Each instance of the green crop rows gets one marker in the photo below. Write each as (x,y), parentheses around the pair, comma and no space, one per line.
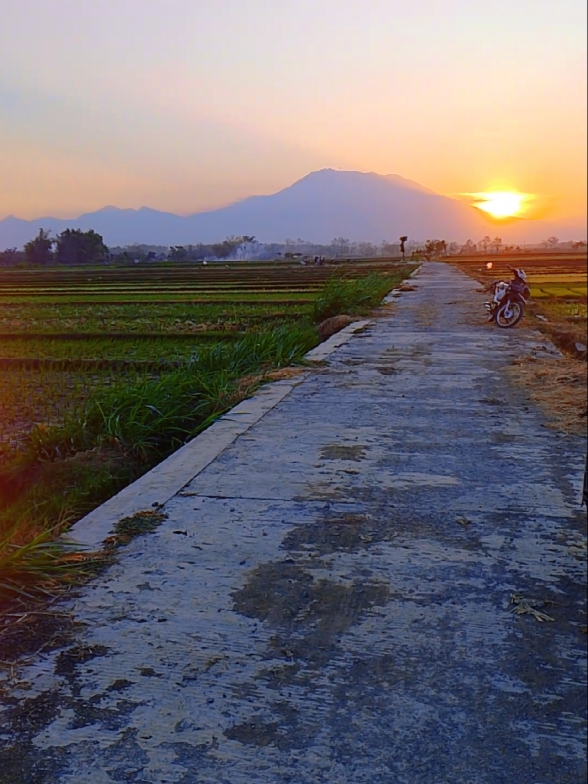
(105,372)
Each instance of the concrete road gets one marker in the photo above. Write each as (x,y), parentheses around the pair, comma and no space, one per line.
(332,599)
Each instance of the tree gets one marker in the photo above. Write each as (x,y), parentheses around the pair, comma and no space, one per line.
(177,253)
(39,250)
(340,246)
(485,243)
(497,244)
(365,249)
(402,241)
(11,257)
(551,242)
(388,249)
(75,246)
(221,250)
(435,249)
(468,248)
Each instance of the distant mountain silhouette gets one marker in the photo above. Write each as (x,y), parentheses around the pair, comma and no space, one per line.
(323,205)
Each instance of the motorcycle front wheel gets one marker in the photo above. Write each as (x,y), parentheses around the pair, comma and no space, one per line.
(509,314)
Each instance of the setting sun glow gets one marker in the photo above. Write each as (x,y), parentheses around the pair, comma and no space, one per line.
(502,204)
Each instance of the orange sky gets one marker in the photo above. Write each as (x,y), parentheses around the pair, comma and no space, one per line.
(182,108)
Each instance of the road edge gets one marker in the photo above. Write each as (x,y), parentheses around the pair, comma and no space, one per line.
(159,485)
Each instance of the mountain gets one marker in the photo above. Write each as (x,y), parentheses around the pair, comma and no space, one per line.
(323,205)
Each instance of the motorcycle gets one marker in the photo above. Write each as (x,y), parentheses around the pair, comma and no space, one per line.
(507,305)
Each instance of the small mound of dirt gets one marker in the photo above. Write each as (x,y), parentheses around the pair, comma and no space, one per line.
(333,325)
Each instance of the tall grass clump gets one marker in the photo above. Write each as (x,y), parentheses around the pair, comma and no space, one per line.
(117,436)
(353,296)
(38,566)
(151,418)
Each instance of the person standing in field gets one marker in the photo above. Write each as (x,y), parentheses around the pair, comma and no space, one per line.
(402,241)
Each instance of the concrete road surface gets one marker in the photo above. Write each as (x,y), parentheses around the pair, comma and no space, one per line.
(381,581)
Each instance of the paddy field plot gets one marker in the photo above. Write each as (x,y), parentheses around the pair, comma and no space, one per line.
(550,275)
(104,372)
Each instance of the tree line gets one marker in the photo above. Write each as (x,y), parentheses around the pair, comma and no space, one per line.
(74,247)
(71,247)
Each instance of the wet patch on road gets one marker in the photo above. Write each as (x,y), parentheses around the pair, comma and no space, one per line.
(308,615)
(255,732)
(343,452)
(336,530)
(386,370)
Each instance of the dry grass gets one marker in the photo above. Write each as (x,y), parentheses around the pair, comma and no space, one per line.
(557,386)
(284,373)
(333,325)
(248,385)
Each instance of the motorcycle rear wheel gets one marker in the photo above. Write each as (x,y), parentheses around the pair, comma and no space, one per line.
(509,314)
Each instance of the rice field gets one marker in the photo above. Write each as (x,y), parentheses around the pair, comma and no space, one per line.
(143,317)
(104,372)
(68,334)
(550,275)
(33,397)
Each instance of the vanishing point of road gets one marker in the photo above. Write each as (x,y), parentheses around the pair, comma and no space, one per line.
(379,581)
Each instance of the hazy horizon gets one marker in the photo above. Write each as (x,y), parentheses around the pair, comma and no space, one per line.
(497,224)
(185,107)
(322,205)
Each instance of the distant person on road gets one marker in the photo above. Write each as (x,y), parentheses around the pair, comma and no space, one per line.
(402,241)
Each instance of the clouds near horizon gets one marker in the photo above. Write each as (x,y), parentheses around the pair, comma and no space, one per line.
(186,105)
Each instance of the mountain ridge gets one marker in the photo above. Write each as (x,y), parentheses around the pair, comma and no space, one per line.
(361,206)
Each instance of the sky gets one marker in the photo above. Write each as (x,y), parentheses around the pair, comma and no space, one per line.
(186,105)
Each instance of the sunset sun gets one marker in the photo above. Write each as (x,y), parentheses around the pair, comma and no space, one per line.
(502,204)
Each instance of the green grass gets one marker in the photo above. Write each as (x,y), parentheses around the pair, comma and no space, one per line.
(156,317)
(563,290)
(148,348)
(115,434)
(354,297)
(45,397)
(185,295)
(38,566)
(159,415)
(275,298)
